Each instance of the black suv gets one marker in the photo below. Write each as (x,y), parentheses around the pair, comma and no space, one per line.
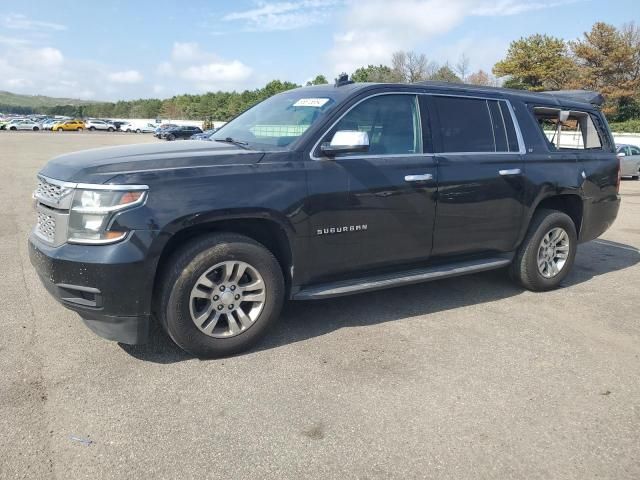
(319,192)
(184,131)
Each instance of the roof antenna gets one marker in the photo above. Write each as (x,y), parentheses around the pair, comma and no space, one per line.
(343,79)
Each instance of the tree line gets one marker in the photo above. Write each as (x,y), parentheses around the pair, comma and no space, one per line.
(605,59)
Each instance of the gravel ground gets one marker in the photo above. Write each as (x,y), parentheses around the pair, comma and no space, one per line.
(464,378)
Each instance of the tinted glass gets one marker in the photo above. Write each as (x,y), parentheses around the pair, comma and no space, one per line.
(634,150)
(511,130)
(464,125)
(392,123)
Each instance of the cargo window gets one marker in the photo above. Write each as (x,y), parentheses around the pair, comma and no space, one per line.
(392,123)
(568,130)
(470,125)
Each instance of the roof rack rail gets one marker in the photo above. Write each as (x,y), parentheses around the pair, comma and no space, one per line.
(580,96)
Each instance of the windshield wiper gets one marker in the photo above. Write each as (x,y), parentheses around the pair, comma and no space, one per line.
(238,143)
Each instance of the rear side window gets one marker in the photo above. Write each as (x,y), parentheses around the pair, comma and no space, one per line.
(469,125)
(568,130)
(634,151)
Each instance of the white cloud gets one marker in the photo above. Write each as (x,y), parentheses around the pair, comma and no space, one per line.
(18,21)
(284,15)
(204,70)
(372,34)
(126,76)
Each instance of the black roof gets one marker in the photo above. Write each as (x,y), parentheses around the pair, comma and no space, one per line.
(565,98)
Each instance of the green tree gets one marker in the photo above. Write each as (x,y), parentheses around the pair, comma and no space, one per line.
(609,62)
(375,73)
(538,62)
(319,80)
(445,74)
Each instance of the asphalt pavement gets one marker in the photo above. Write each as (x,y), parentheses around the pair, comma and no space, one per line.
(470,377)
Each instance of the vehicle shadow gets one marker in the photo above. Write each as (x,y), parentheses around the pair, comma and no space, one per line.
(301,321)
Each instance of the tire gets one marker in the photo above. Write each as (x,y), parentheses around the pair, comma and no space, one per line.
(13,128)
(79,129)
(524,268)
(138,130)
(185,270)
(35,129)
(110,129)
(170,138)
(91,129)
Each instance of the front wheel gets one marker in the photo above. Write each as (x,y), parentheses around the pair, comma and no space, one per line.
(110,129)
(138,130)
(171,138)
(91,129)
(220,294)
(13,128)
(35,129)
(547,253)
(79,129)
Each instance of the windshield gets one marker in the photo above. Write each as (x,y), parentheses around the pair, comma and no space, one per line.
(277,121)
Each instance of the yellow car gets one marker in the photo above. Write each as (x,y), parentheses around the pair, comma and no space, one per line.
(77,125)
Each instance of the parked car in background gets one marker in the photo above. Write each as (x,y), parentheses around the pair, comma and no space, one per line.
(206,135)
(141,128)
(629,156)
(49,123)
(22,125)
(99,125)
(161,129)
(69,125)
(184,132)
(117,123)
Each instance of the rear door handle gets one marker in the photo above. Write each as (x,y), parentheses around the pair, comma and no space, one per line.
(511,171)
(418,178)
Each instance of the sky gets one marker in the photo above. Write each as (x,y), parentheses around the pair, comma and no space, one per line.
(120,50)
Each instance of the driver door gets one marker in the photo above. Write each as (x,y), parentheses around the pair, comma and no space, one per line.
(373,209)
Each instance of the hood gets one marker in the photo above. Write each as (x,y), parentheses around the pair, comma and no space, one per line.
(100,164)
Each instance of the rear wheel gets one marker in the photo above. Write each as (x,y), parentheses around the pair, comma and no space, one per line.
(547,253)
(171,138)
(110,129)
(79,129)
(91,129)
(13,128)
(138,130)
(35,129)
(220,294)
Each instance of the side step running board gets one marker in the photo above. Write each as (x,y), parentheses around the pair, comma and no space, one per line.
(407,277)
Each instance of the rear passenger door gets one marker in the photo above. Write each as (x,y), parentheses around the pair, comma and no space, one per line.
(480,175)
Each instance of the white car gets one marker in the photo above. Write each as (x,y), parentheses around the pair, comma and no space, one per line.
(23,125)
(99,125)
(146,128)
(629,156)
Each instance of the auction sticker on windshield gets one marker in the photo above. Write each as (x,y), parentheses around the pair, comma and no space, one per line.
(311,102)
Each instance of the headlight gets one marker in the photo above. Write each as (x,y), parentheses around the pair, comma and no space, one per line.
(92,211)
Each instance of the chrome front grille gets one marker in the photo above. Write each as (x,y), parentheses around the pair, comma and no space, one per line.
(46,226)
(49,191)
(53,193)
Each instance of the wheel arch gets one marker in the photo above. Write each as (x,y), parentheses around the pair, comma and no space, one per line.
(267,231)
(569,203)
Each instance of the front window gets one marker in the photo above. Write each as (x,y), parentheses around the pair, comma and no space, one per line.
(278,121)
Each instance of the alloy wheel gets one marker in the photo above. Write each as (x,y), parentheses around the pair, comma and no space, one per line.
(553,252)
(227,299)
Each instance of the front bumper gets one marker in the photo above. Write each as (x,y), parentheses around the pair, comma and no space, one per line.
(109,286)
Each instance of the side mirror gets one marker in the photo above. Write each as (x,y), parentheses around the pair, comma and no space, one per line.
(346,141)
(622,154)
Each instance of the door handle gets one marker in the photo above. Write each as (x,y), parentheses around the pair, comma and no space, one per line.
(418,178)
(511,171)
